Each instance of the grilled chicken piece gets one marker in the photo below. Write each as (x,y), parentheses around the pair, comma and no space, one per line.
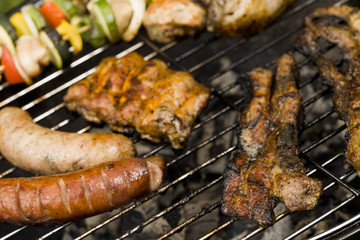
(345,86)
(256,178)
(166,20)
(239,18)
(129,93)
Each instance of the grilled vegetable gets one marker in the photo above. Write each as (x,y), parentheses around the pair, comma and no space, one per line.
(57,48)
(93,33)
(32,12)
(123,13)
(52,13)
(11,73)
(19,23)
(29,22)
(7,34)
(70,33)
(67,7)
(12,70)
(104,14)
(136,20)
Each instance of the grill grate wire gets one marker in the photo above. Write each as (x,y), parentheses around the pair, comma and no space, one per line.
(220,94)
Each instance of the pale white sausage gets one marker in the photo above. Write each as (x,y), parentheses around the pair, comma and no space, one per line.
(40,150)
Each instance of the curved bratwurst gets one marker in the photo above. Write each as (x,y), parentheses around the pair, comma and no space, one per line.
(41,150)
(71,196)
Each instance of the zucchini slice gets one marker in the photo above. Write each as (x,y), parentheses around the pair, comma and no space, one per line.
(105,15)
(29,21)
(57,48)
(5,39)
(7,34)
(94,34)
(29,10)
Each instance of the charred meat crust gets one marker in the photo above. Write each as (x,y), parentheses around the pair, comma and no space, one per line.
(255,179)
(345,85)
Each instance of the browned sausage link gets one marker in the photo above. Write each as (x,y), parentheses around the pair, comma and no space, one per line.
(40,150)
(71,196)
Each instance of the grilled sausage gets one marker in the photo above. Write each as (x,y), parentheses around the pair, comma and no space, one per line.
(40,150)
(72,196)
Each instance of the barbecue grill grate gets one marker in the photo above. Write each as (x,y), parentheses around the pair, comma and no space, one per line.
(187,206)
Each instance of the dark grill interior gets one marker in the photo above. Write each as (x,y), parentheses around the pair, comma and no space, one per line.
(187,206)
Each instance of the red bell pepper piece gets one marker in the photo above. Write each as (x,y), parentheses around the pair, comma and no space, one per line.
(12,75)
(52,13)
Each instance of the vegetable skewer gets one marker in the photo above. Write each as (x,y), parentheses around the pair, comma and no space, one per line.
(109,20)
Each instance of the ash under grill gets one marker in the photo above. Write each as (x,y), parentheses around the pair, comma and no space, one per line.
(187,206)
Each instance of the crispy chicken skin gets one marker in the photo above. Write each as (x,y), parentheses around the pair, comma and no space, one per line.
(166,20)
(239,18)
(345,85)
(130,93)
(255,179)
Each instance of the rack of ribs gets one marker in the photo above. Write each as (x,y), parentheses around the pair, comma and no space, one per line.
(345,85)
(267,166)
(130,93)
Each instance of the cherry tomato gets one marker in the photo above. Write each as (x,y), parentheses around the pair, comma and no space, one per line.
(12,75)
(52,13)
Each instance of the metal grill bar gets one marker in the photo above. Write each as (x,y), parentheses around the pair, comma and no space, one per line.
(133,48)
(14,232)
(172,207)
(278,218)
(51,76)
(307,103)
(347,186)
(321,218)
(337,228)
(191,220)
(218,95)
(54,231)
(170,163)
(163,189)
(281,216)
(314,145)
(204,63)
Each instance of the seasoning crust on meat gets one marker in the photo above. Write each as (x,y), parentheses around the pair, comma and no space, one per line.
(268,166)
(130,93)
(166,20)
(239,18)
(344,84)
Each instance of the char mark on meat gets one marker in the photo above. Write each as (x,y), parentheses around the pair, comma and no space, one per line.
(130,93)
(344,84)
(273,170)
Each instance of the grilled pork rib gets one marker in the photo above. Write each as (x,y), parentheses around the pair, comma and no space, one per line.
(345,86)
(130,93)
(272,169)
(253,126)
